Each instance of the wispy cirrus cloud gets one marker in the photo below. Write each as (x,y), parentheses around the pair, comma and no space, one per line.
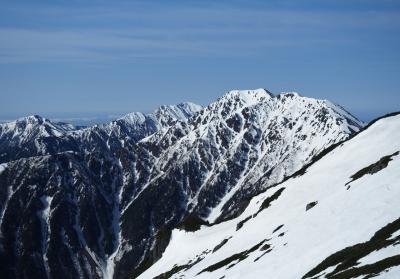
(144,31)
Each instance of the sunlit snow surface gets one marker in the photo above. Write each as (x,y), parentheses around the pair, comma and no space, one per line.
(341,218)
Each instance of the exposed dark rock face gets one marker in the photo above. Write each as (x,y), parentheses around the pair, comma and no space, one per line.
(234,258)
(53,208)
(345,262)
(241,223)
(311,205)
(100,202)
(278,228)
(219,246)
(374,168)
(267,202)
(192,223)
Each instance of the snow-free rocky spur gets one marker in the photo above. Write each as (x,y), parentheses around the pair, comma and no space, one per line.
(252,185)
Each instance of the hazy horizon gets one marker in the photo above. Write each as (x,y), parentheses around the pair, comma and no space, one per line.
(91,118)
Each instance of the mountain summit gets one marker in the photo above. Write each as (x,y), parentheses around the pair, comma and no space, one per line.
(102,202)
(338,218)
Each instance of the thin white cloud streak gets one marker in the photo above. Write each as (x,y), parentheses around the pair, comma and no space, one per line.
(98,45)
(101,35)
(212,14)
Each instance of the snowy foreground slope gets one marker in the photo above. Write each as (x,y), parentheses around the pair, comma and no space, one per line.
(340,218)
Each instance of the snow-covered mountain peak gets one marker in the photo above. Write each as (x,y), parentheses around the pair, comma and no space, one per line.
(33,119)
(133,117)
(33,126)
(167,114)
(189,108)
(27,136)
(27,120)
(164,115)
(36,135)
(289,94)
(231,103)
(248,97)
(243,137)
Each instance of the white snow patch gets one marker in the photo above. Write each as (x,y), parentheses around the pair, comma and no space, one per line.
(381,254)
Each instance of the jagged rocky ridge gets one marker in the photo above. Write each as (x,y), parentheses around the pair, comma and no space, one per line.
(101,202)
(35,135)
(337,218)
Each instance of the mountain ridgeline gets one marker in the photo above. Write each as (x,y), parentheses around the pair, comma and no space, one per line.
(336,218)
(102,201)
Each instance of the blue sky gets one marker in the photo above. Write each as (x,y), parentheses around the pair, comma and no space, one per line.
(92,58)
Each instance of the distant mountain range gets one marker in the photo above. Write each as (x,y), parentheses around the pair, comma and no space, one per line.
(76,119)
(187,192)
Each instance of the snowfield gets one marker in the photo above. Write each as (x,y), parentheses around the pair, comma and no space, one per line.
(244,187)
(351,194)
